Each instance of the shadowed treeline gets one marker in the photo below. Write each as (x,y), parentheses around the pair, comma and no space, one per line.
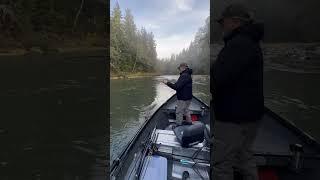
(48,24)
(285,20)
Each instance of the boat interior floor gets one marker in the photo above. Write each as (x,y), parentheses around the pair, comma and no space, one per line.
(180,162)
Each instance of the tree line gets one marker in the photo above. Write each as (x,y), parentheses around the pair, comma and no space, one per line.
(131,49)
(197,55)
(284,21)
(30,21)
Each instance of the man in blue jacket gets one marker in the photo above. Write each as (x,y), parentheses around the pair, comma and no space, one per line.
(184,93)
(237,88)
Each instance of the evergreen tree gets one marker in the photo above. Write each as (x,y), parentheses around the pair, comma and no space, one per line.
(197,55)
(130,38)
(131,50)
(116,35)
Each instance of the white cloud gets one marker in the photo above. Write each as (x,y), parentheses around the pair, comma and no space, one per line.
(172,44)
(152,26)
(174,41)
(184,5)
(174,25)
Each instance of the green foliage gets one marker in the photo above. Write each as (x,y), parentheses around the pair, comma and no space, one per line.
(52,19)
(131,49)
(197,55)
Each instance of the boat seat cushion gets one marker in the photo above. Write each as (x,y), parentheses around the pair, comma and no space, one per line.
(189,135)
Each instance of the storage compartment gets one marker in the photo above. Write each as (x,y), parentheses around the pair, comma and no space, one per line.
(168,146)
(155,167)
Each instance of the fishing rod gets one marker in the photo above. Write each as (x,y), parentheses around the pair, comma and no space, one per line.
(139,157)
(148,149)
(149,146)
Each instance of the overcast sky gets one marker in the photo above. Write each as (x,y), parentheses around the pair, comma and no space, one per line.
(173,22)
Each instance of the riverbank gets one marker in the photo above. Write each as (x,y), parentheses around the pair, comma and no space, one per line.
(290,57)
(133,75)
(49,43)
(38,50)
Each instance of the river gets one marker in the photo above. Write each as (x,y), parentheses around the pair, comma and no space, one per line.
(292,95)
(53,116)
(134,100)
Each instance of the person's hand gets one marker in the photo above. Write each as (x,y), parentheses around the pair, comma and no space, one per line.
(164,81)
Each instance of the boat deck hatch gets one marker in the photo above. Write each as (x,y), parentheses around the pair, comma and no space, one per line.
(179,170)
(168,145)
(155,168)
(183,163)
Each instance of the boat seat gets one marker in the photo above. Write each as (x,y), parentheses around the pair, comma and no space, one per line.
(189,135)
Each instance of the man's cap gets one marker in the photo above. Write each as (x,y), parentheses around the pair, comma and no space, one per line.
(183,65)
(235,10)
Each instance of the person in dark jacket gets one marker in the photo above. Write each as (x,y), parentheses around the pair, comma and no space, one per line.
(184,93)
(238,102)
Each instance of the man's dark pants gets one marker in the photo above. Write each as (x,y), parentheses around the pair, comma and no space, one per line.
(232,148)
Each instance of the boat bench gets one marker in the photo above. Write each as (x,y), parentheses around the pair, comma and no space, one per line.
(168,146)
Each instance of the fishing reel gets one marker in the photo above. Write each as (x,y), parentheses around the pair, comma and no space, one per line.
(297,151)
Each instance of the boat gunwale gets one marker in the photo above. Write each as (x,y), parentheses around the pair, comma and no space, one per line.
(305,156)
(305,137)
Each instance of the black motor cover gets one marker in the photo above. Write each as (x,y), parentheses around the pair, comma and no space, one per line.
(189,134)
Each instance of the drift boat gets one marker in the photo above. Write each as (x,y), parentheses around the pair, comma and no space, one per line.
(161,150)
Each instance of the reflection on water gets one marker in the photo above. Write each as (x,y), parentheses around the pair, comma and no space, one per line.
(294,96)
(53,117)
(132,101)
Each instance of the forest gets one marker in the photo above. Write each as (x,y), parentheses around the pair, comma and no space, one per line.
(134,50)
(131,49)
(52,23)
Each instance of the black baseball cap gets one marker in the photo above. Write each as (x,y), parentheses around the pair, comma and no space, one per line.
(235,10)
(183,65)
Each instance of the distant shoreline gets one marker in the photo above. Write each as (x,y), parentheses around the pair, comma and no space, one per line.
(141,75)
(37,50)
(132,75)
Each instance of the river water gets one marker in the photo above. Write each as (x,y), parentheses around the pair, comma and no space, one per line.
(292,95)
(132,101)
(53,116)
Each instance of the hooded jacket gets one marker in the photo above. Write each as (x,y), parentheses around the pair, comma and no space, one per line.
(183,86)
(237,76)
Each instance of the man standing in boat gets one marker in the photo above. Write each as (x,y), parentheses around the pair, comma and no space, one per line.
(237,89)
(184,93)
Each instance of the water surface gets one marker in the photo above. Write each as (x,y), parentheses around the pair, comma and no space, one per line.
(132,101)
(294,96)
